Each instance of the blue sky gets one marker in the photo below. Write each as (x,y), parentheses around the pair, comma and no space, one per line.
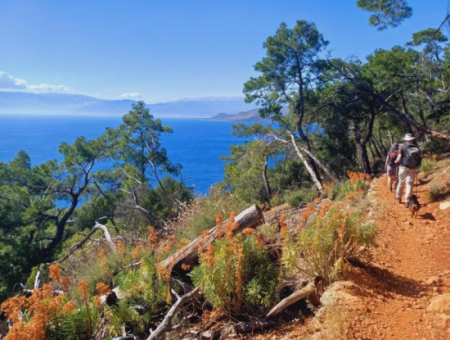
(164,50)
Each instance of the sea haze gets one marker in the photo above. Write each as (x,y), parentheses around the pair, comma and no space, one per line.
(196,144)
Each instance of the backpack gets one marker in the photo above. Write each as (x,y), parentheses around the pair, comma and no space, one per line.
(412,157)
(392,157)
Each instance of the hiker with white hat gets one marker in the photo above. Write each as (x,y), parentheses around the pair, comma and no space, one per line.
(409,159)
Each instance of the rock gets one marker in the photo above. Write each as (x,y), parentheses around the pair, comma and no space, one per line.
(440,304)
(342,293)
(433,280)
(444,205)
(441,321)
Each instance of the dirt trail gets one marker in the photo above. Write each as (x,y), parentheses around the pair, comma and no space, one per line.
(409,265)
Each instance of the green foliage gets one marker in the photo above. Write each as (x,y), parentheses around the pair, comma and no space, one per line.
(75,325)
(437,192)
(339,191)
(436,146)
(303,196)
(323,245)
(219,201)
(386,12)
(428,166)
(217,276)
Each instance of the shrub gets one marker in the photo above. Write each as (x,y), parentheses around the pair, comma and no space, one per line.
(356,183)
(327,241)
(219,201)
(428,165)
(236,274)
(303,196)
(437,192)
(436,146)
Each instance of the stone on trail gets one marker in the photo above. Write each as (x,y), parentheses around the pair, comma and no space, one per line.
(444,205)
(440,304)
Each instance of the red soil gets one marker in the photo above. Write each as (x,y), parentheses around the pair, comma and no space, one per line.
(410,265)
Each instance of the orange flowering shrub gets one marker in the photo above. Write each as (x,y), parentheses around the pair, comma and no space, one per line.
(44,312)
(120,247)
(55,272)
(83,290)
(102,288)
(235,272)
(357,184)
(331,237)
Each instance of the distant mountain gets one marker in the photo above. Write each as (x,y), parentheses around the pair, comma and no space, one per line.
(55,103)
(48,103)
(247,116)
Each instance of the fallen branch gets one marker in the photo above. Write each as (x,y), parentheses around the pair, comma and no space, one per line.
(308,291)
(188,255)
(79,244)
(166,324)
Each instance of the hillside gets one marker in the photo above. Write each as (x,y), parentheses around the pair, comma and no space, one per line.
(68,104)
(246,116)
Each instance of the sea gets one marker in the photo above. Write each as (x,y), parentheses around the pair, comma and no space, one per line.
(195,144)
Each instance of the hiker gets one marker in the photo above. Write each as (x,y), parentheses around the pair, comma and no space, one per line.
(409,159)
(390,166)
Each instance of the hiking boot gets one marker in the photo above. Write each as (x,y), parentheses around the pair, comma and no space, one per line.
(398,200)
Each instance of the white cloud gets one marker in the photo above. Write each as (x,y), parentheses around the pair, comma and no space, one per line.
(51,88)
(8,82)
(132,95)
(11,83)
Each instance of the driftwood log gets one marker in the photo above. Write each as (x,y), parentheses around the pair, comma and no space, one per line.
(188,255)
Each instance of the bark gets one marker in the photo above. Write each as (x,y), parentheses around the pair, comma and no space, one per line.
(188,255)
(300,110)
(166,324)
(391,136)
(377,151)
(309,168)
(361,151)
(308,291)
(266,181)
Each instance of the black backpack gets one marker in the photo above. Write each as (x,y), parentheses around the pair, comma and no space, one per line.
(412,157)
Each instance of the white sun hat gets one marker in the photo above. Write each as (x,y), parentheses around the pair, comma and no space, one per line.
(409,136)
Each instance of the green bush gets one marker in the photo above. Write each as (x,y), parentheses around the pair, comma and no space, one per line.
(428,166)
(437,192)
(237,282)
(331,237)
(219,201)
(357,182)
(299,197)
(436,146)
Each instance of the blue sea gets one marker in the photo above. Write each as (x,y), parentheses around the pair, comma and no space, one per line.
(195,144)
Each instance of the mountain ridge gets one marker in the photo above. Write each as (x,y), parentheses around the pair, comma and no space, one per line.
(76,104)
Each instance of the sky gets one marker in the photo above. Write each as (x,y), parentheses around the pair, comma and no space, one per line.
(162,50)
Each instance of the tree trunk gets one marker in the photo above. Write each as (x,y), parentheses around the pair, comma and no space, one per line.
(361,151)
(188,255)
(309,168)
(377,151)
(311,161)
(266,181)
